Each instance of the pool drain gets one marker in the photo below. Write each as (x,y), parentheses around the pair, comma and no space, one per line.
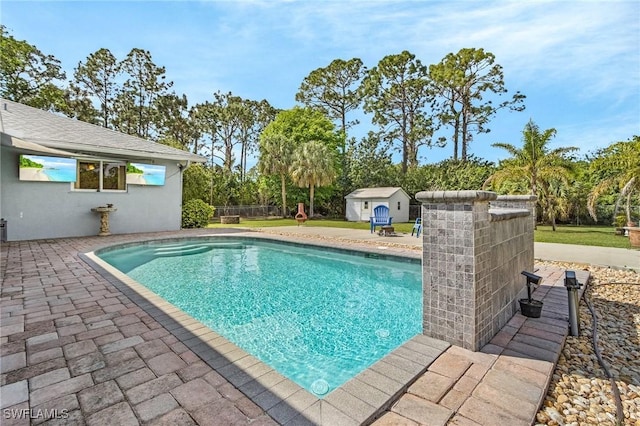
(383,333)
(320,387)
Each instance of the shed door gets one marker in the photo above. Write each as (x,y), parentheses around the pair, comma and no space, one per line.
(365,209)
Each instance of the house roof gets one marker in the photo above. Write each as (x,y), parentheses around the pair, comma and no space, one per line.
(384,192)
(29,128)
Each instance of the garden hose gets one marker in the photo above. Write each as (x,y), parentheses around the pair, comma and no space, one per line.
(614,385)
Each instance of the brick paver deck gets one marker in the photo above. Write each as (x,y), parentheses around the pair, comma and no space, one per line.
(78,348)
(504,383)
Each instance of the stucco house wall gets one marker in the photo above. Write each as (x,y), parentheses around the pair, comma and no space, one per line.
(37,210)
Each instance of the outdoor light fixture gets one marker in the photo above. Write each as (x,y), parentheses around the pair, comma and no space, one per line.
(573,297)
(530,307)
(532,278)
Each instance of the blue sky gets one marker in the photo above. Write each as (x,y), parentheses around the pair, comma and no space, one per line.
(578,63)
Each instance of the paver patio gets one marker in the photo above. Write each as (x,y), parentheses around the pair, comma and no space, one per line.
(78,349)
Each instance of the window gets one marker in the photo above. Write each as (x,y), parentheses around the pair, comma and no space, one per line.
(88,176)
(366,205)
(114,176)
(101,176)
(398,205)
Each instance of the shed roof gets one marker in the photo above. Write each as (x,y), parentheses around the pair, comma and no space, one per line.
(383,192)
(38,127)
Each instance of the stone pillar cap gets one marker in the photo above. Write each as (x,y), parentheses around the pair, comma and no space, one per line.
(517,198)
(455,196)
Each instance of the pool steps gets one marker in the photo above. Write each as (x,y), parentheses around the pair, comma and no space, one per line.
(190,249)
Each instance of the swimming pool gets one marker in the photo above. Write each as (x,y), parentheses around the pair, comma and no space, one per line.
(318,317)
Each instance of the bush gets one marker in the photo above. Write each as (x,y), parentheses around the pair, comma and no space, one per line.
(196,214)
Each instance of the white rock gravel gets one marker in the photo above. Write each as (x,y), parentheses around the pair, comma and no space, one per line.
(580,392)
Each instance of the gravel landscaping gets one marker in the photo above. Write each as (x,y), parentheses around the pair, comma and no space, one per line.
(580,392)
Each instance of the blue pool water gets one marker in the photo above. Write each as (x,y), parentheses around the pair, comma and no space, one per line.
(318,317)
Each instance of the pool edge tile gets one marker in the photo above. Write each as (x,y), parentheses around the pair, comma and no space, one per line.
(277,395)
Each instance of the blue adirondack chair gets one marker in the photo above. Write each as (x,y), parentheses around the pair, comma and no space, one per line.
(380,217)
(417,227)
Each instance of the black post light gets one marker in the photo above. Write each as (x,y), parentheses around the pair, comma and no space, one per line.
(530,307)
(573,287)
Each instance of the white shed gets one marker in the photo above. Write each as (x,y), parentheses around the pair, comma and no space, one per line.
(361,202)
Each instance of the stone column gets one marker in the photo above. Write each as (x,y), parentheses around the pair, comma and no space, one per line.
(527,202)
(456,266)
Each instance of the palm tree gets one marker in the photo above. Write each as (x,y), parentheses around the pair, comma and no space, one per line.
(313,166)
(276,155)
(536,164)
(621,162)
(555,200)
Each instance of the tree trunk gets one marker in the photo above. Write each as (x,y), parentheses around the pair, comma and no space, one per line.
(284,195)
(311,193)
(405,154)
(455,142)
(465,133)
(456,130)
(535,204)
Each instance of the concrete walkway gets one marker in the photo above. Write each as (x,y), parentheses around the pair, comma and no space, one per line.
(75,349)
(600,256)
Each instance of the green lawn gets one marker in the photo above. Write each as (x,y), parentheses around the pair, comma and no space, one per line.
(602,236)
(267,223)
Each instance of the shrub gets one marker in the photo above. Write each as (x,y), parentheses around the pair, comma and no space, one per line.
(196,214)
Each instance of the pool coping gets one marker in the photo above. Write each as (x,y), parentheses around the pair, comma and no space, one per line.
(360,400)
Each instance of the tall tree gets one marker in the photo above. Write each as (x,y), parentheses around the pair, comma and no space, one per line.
(290,129)
(226,112)
(554,198)
(368,163)
(134,104)
(535,163)
(462,82)
(313,166)
(196,183)
(29,76)
(619,166)
(256,116)
(396,92)
(173,124)
(276,156)
(334,89)
(80,107)
(233,124)
(304,125)
(97,78)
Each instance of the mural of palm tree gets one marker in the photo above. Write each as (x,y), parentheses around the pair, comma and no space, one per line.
(313,166)
(537,164)
(276,155)
(621,161)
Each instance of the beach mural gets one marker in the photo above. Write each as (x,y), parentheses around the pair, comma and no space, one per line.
(47,169)
(145,174)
